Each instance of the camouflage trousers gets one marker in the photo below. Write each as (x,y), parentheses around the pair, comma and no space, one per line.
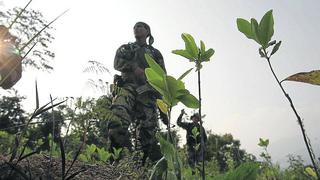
(129,107)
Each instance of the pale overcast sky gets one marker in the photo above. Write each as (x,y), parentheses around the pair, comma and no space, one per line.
(240,95)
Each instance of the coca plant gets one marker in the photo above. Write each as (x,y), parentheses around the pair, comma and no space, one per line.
(198,56)
(172,91)
(262,33)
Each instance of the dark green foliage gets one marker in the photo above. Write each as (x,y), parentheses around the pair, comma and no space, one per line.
(12,116)
(224,147)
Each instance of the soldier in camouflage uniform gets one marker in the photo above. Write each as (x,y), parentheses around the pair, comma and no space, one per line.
(194,156)
(135,102)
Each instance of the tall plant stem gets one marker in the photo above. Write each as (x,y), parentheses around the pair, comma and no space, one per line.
(169,137)
(303,131)
(201,128)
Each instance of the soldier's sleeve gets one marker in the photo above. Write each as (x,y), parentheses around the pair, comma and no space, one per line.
(184,125)
(123,60)
(160,60)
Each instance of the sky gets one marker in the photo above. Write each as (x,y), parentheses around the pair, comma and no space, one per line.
(240,95)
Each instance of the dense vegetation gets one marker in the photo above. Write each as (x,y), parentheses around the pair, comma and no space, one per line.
(79,125)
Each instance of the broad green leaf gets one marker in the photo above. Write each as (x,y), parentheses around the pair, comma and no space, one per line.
(167,97)
(202,47)
(207,55)
(191,46)
(311,172)
(174,85)
(189,100)
(312,77)
(182,92)
(183,53)
(276,48)
(185,74)
(159,86)
(168,150)
(254,30)
(162,106)
(103,154)
(244,26)
(91,149)
(155,66)
(265,29)
(151,74)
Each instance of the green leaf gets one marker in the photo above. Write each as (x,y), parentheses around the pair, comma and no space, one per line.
(312,77)
(189,100)
(103,154)
(195,132)
(311,172)
(275,48)
(162,106)
(265,29)
(263,143)
(191,46)
(185,74)
(202,47)
(183,53)
(84,158)
(154,66)
(151,74)
(173,87)
(158,85)
(182,92)
(167,149)
(254,30)
(207,55)
(244,26)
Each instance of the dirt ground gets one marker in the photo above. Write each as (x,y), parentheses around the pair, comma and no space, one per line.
(38,168)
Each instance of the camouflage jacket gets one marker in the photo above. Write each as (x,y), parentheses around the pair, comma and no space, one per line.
(188,127)
(131,56)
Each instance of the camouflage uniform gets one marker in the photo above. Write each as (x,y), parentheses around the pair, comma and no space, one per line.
(193,155)
(135,102)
